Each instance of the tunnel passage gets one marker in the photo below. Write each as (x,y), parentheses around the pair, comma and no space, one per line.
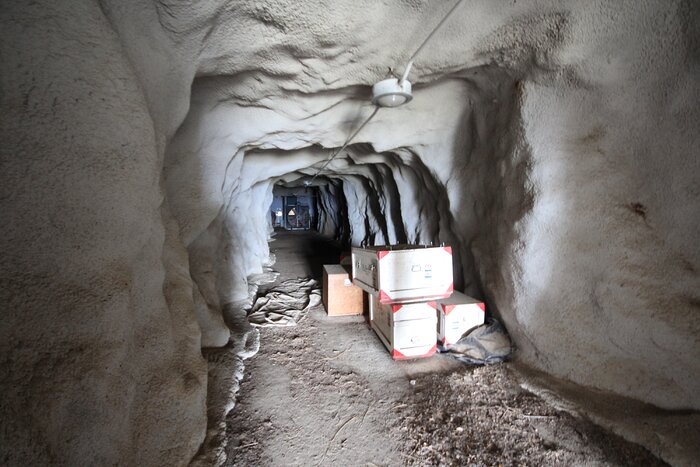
(562,136)
(440,179)
(466,163)
(367,198)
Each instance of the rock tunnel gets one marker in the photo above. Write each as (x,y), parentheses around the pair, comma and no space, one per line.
(554,145)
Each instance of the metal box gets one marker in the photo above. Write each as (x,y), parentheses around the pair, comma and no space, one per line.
(407,330)
(403,273)
(457,315)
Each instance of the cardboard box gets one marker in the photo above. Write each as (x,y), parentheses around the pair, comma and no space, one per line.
(403,273)
(457,315)
(340,296)
(406,330)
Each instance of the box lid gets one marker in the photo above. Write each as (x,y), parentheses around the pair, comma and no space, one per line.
(398,247)
(458,298)
(336,269)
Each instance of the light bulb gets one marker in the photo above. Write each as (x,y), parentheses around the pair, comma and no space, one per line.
(389,93)
(391,100)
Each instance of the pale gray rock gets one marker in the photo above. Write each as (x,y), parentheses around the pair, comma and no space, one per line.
(553,144)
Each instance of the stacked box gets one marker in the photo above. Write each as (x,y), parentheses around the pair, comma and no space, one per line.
(340,296)
(457,315)
(406,330)
(403,273)
(403,282)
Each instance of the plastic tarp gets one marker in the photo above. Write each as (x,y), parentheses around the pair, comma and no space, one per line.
(286,304)
(483,345)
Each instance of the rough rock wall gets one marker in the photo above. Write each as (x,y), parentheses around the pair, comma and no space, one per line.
(607,258)
(98,341)
(553,143)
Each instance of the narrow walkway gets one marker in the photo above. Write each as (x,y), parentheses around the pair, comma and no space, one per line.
(326,392)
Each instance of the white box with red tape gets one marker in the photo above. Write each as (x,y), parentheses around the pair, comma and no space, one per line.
(403,273)
(456,315)
(407,330)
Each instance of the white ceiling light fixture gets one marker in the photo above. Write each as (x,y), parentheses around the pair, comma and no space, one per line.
(394,92)
(390,92)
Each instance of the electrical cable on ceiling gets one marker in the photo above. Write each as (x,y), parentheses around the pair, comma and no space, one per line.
(347,142)
(390,92)
(432,33)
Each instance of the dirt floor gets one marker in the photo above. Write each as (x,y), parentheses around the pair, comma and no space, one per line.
(326,392)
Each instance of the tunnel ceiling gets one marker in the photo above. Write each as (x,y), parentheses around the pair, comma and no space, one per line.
(552,143)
